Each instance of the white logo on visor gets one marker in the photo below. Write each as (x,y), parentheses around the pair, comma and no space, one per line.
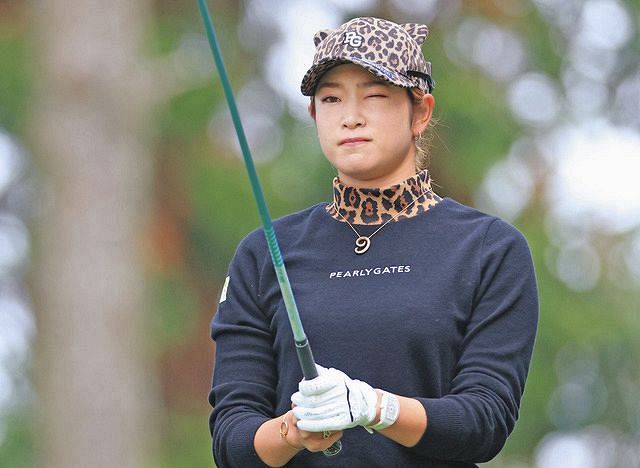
(353,39)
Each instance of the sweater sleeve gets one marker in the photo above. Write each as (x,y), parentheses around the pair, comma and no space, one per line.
(472,422)
(245,377)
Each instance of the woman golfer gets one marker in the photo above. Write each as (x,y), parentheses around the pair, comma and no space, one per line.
(421,311)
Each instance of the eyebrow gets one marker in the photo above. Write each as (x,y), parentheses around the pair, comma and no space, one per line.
(363,84)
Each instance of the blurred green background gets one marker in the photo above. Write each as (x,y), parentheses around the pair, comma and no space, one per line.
(538,110)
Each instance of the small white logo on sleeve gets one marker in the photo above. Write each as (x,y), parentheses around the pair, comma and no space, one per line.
(223,294)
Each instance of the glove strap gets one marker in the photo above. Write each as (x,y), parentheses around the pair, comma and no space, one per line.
(389,411)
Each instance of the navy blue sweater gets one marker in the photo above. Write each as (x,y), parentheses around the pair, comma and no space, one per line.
(443,307)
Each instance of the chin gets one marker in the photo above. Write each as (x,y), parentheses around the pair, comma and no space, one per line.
(360,178)
(355,166)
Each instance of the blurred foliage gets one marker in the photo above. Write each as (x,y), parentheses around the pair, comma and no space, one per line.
(188,442)
(204,201)
(173,306)
(470,108)
(17,450)
(15,73)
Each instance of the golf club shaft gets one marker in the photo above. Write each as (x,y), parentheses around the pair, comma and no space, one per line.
(303,349)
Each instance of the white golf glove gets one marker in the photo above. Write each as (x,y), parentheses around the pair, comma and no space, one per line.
(333,402)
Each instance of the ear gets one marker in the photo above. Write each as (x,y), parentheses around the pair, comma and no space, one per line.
(311,108)
(422,114)
(418,32)
(321,36)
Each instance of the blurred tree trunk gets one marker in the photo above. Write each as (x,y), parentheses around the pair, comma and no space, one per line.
(95,385)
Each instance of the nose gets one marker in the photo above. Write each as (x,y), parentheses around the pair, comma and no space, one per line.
(352,118)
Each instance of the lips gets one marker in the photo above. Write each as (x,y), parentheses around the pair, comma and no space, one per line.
(354,141)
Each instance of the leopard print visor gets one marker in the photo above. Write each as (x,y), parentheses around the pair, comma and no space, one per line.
(388,50)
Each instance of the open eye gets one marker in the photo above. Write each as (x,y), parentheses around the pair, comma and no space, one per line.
(329,99)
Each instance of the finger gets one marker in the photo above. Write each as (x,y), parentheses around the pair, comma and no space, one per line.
(297,399)
(334,436)
(330,424)
(325,381)
(314,442)
(333,396)
(324,444)
(321,412)
(316,386)
(303,435)
(333,390)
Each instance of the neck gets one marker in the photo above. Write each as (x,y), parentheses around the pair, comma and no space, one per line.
(378,205)
(403,171)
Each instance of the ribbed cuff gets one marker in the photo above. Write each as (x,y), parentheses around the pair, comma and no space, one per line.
(441,439)
(239,449)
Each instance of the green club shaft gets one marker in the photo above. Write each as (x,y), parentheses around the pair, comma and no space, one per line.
(302,345)
(303,349)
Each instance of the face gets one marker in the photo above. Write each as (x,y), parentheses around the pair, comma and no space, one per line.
(366,126)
